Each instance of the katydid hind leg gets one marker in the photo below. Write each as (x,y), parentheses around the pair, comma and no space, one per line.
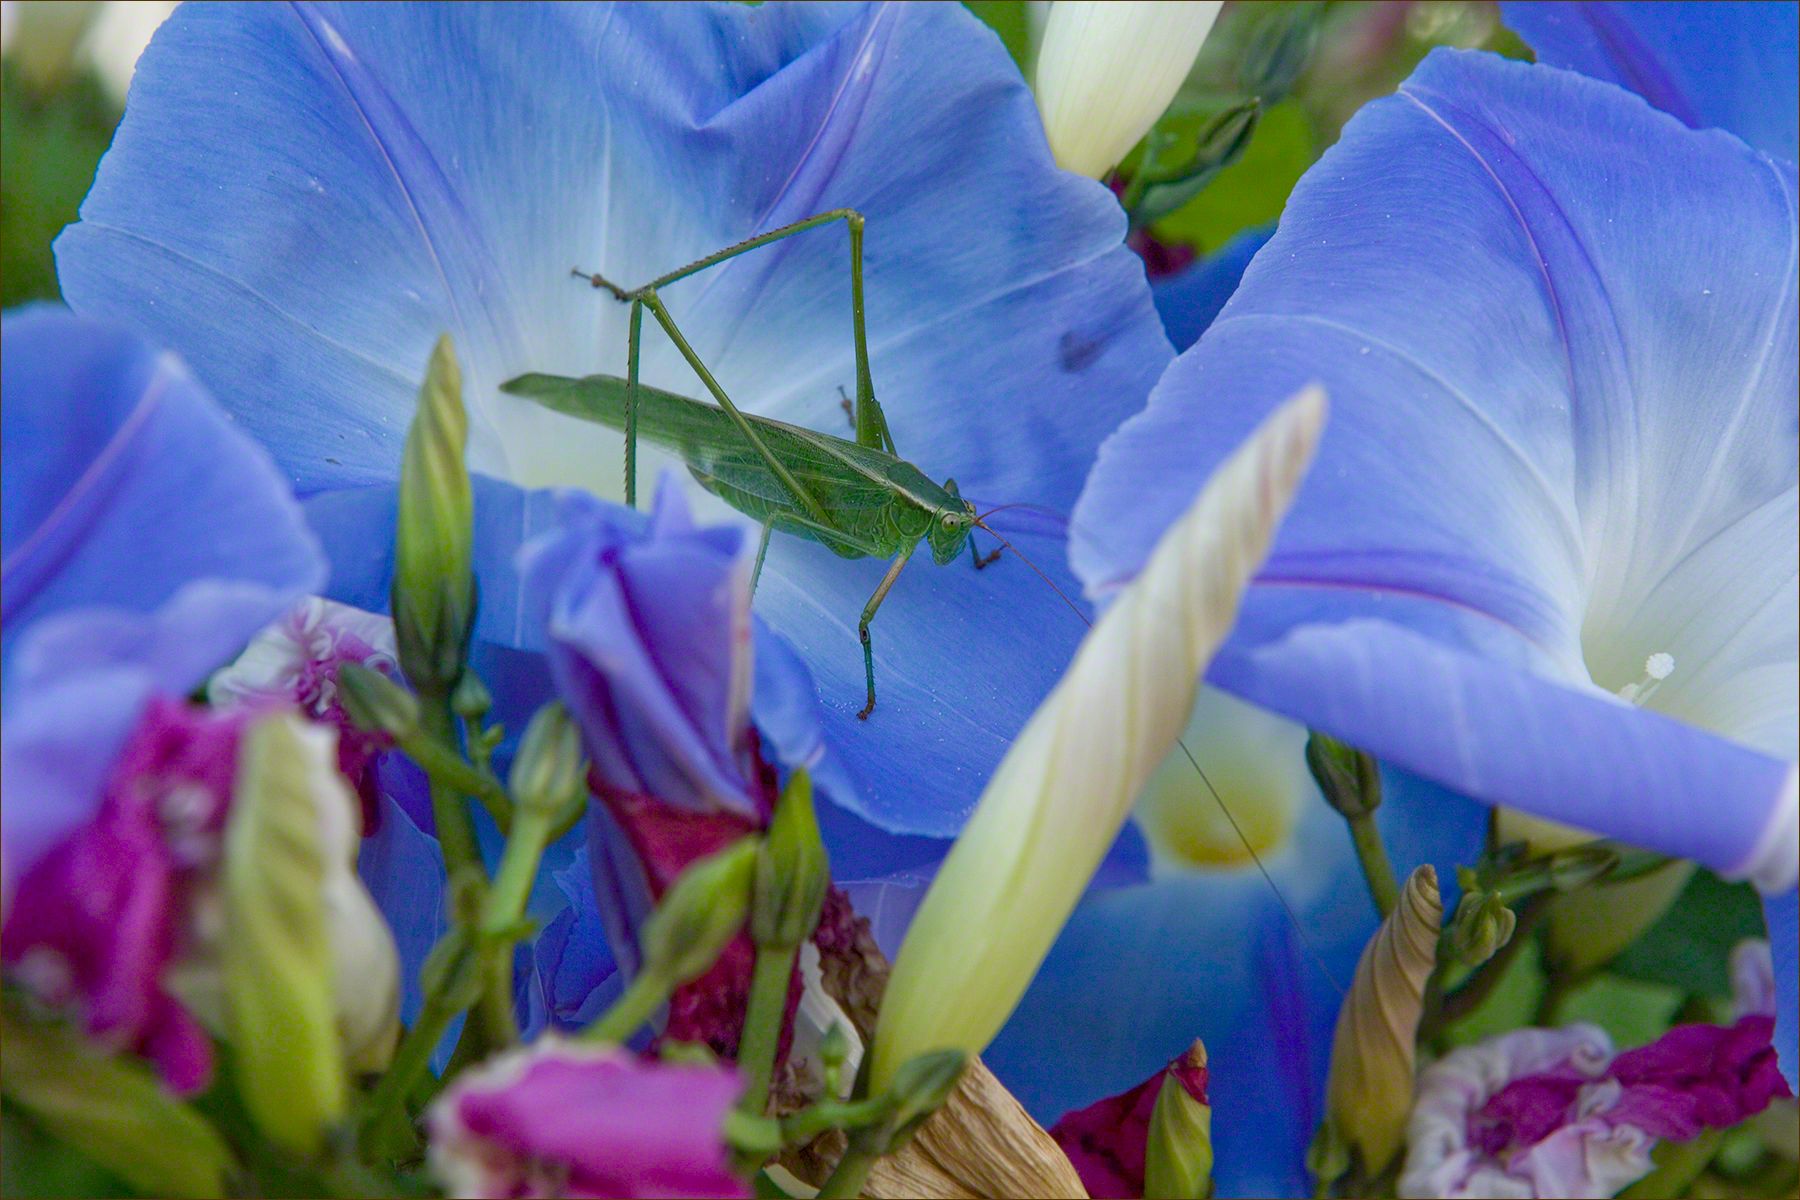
(800,492)
(762,551)
(868,614)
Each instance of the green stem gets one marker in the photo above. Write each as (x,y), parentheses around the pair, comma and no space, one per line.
(762,1023)
(1474,991)
(511,889)
(410,1063)
(852,1171)
(1375,866)
(1681,1164)
(448,771)
(810,1122)
(641,998)
(455,833)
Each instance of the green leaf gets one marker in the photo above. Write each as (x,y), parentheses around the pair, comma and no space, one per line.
(1632,1012)
(276,955)
(50,144)
(113,1110)
(1690,947)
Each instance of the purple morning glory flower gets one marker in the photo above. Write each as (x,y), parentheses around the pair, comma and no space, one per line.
(567,1119)
(145,541)
(1548,557)
(362,178)
(1725,64)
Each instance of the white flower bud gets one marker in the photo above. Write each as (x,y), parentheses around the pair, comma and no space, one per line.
(1106,72)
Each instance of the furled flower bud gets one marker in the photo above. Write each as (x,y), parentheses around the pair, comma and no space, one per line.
(702,912)
(1178,1156)
(434,584)
(1066,784)
(1109,1141)
(1106,72)
(1370,1088)
(375,702)
(792,872)
(548,774)
(563,1118)
(1349,779)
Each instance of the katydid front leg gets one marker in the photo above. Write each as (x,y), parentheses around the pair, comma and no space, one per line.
(868,614)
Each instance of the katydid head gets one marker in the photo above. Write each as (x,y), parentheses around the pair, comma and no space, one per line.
(950,525)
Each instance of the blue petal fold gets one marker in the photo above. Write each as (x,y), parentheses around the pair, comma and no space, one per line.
(1729,64)
(1188,301)
(347,198)
(1558,334)
(143,541)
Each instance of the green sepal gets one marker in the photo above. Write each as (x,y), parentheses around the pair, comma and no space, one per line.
(700,914)
(112,1109)
(276,954)
(1178,1154)
(792,871)
(433,596)
(376,703)
(1219,141)
(920,1087)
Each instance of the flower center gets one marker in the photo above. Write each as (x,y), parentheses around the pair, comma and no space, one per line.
(1254,760)
(1657,667)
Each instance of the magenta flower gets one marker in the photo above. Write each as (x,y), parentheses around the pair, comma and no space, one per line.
(564,1119)
(1553,1112)
(1105,1141)
(98,920)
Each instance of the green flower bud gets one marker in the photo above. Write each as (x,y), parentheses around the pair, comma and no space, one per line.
(1481,926)
(549,773)
(376,703)
(792,871)
(1350,779)
(434,585)
(700,914)
(1178,1156)
(276,956)
(920,1087)
(1278,47)
(471,700)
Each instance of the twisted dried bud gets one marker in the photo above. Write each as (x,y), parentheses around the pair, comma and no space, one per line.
(1370,1090)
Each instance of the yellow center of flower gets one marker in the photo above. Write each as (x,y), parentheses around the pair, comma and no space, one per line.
(1256,763)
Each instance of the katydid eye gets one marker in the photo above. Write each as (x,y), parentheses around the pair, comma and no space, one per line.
(949,520)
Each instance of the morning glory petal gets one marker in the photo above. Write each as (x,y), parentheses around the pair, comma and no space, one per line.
(1189,300)
(144,541)
(1558,333)
(1727,64)
(347,198)
(117,456)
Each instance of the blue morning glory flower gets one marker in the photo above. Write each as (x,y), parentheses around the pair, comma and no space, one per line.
(347,182)
(1547,557)
(1724,64)
(143,541)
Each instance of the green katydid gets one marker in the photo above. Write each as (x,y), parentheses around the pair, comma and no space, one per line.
(856,497)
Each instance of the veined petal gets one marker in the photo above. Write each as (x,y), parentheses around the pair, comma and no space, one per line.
(347,198)
(1564,443)
(1724,63)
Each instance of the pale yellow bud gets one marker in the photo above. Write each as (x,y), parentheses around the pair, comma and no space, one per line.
(1066,785)
(1106,72)
(1370,1090)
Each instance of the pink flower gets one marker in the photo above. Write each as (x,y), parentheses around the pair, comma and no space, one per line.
(1553,1112)
(295,662)
(1105,1141)
(97,922)
(560,1118)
